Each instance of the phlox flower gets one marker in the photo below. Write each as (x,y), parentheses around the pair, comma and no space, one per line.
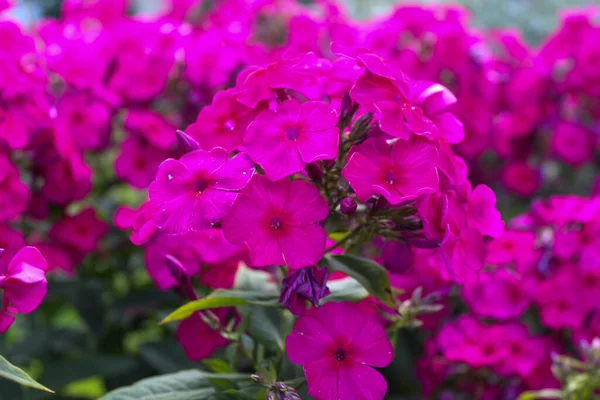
(151,126)
(198,339)
(14,194)
(281,141)
(196,191)
(482,212)
(138,161)
(401,172)
(82,231)
(277,222)
(336,345)
(222,123)
(24,285)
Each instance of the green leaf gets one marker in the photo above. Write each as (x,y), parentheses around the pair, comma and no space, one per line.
(348,289)
(542,394)
(369,274)
(60,373)
(217,365)
(15,374)
(184,385)
(223,298)
(262,328)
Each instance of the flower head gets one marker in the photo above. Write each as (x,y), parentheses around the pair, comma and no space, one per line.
(23,283)
(196,191)
(277,222)
(401,172)
(281,141)
(336,345)
(308,283)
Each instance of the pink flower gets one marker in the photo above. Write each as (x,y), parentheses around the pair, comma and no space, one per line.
(138,162)
(520,178)
(221,124)
(281,141)
(572,143)
(183,247)
(82,231)
(86,118)
(483,213)
(276,221)
(336,344)
(403,172)
(501,294)
(14,194)
(196,191)
(24,284)
(151,126)
(198,339)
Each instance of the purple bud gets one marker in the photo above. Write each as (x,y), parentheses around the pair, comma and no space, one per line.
(309,283)
(397,257)
(186,142)
(348,206)
(361,127)
(1,251)
(347,110)
(281,391)
(179,273)
(314,171)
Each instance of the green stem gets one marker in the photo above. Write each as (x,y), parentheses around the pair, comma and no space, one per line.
(346,238)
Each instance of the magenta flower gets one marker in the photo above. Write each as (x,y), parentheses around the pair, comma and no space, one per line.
(196,191)
(483,213)
(81,232)
(221,124)
(198,339)
(151,126)
(138,161)
(277,222)
(14,194)
(404,171)
(336,345)
(24,284)
(281,141)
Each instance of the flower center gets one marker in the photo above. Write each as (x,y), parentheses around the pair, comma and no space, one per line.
(276,223)
(200,185)
(340,354)
(390,177)
(292,132)
(229,125)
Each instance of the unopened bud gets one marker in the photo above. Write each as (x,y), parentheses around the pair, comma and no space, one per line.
(179,273)
(281,391)
(314,171)
(256,378)
(347,110)
(358,133)
(410,223)
(348,206)
(186,143)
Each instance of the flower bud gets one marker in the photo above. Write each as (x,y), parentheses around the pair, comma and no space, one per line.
(361,127)
(308,283)
(186,142)
(281,391)
(179,273)
(314,171)
(348,206)
(347,110)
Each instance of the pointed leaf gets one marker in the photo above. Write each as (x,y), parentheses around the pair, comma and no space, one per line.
(16,374)
(184,385)
(368,273)
(223,298)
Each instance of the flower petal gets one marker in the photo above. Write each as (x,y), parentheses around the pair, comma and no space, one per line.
(357,381)
(309,341)
(302,246)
